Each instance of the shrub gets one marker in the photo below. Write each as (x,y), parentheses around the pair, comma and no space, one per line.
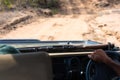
(31,3)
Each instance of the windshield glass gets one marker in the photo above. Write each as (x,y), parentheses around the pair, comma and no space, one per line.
(68,21)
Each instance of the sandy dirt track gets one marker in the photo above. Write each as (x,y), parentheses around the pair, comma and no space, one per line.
(103,27)
(56,28)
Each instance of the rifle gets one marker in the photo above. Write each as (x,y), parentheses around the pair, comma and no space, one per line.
(69,50)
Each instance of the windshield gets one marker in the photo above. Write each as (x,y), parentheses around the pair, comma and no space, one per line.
(33,22)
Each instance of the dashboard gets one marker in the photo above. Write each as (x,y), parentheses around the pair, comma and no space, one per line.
(69,58)
(70,68)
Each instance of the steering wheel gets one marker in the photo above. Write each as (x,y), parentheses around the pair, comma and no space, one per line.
(100,71)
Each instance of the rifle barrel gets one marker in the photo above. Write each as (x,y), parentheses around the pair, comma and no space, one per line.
(66,48)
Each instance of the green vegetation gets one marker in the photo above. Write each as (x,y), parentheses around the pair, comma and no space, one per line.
(54,5)
(9,4)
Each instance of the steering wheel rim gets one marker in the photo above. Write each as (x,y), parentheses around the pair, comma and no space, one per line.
(115,56)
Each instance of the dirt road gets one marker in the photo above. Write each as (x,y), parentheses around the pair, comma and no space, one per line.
(56,28)
(103,27)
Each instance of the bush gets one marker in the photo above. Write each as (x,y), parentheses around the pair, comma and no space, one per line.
(7,4)
(54,4)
